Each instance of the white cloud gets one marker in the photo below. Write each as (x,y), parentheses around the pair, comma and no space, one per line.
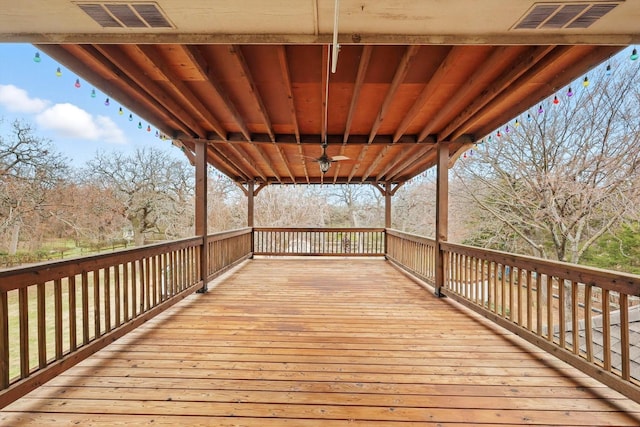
(17,100)
(71,121)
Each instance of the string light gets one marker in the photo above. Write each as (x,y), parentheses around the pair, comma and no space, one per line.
(107,102)
(130,117)
(58,72)
(634,54)
(93,93)
(120,112)
(149,128)
(540,110)
(77,83)
(498,134)
(569,93)
(139,125)
(528,117)
(555,100)
(585,82)
(517,123)
(37,58)
(506,129)
(608,72)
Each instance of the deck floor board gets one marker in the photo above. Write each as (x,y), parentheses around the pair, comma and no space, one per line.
(321,342)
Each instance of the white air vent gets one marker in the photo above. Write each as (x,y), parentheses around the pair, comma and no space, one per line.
(126,15)
(553,16)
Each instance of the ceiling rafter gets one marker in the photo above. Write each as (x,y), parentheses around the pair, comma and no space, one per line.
(583,62)
(399,76)
(247,160)
(376,162)
(151,88)
(266,160)
(525,62)
(400,168)
(207,73)
(356,164)
(286,77)
(114,87)
(221,162)
(406,151)
(486,67)
(285,162)
(180,88)
(363,65)
(428,90)
(236,52)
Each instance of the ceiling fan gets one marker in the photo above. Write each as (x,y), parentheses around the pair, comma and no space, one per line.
(325,161)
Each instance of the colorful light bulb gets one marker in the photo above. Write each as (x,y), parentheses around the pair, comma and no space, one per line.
(498,134)
(157,134)
(528,117)
(517,123)
(506,129)
(107,102)
(77,83)
(58,72)
(139,125)
(93,93)
(634,54)
(37,58)
(585,82)
(120,112)
(130,117)
(608,71)
(569,93)
(148,128)
(555,100)
(540,110)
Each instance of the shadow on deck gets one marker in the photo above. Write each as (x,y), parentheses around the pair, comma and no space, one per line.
(328,342)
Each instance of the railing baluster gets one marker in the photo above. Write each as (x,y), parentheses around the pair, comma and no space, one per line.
(624,337)
(107,299)
(574,318)
(561,312)
(549,287)
(588,313)
(96,303)
(4,340)
(539,303)
(529,300)
(606,330)
(117,295)
(73,327)
(42,325)
(57,301)
(85,307)
(23,313)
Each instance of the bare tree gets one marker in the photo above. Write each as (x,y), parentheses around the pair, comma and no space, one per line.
(298,206)
(568,174)
(30,172)
(155,191)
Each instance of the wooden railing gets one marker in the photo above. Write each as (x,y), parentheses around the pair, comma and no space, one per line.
(53,315)
(582,315)
(227,249)
(416,254)
(319,241)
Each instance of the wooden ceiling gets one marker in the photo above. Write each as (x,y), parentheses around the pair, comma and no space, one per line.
(264,101)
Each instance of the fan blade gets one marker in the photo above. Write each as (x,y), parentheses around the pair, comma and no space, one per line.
(337,158)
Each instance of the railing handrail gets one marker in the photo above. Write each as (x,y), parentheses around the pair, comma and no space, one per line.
(410,236)
(227,234)
(320,229)
(20,277)
(622,282)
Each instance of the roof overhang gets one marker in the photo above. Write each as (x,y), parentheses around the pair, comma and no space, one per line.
(253,78)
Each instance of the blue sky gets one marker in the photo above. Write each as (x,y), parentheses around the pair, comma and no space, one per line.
(78,124)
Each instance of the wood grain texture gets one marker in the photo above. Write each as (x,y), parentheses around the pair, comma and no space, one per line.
(330,342)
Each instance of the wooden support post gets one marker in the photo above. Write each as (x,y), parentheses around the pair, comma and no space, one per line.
(387,213)
(250,205)
(442,214)
(201,210)
(250,210)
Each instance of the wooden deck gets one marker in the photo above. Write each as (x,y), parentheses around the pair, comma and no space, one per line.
(321,342)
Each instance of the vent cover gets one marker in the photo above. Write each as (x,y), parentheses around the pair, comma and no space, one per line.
(126,15)
(553,16)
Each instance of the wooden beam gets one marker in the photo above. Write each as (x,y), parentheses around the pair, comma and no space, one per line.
(206,72)
(406,152)
(581,63)
(399,76)
(525,62)
(267,160)
(123,62)
(244,157)
(286,76)
(469,85)
(201,210)
(362,72)
(442,214)
(356,164)
(412,160)
(432,84)
(285,162)
(117,85)
(387,204)
(375,162)
(225,162)
(236,52)
(180,89)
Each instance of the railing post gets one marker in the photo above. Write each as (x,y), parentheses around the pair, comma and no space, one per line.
(387,215)
(250,210)
(442,214)
(201,210)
